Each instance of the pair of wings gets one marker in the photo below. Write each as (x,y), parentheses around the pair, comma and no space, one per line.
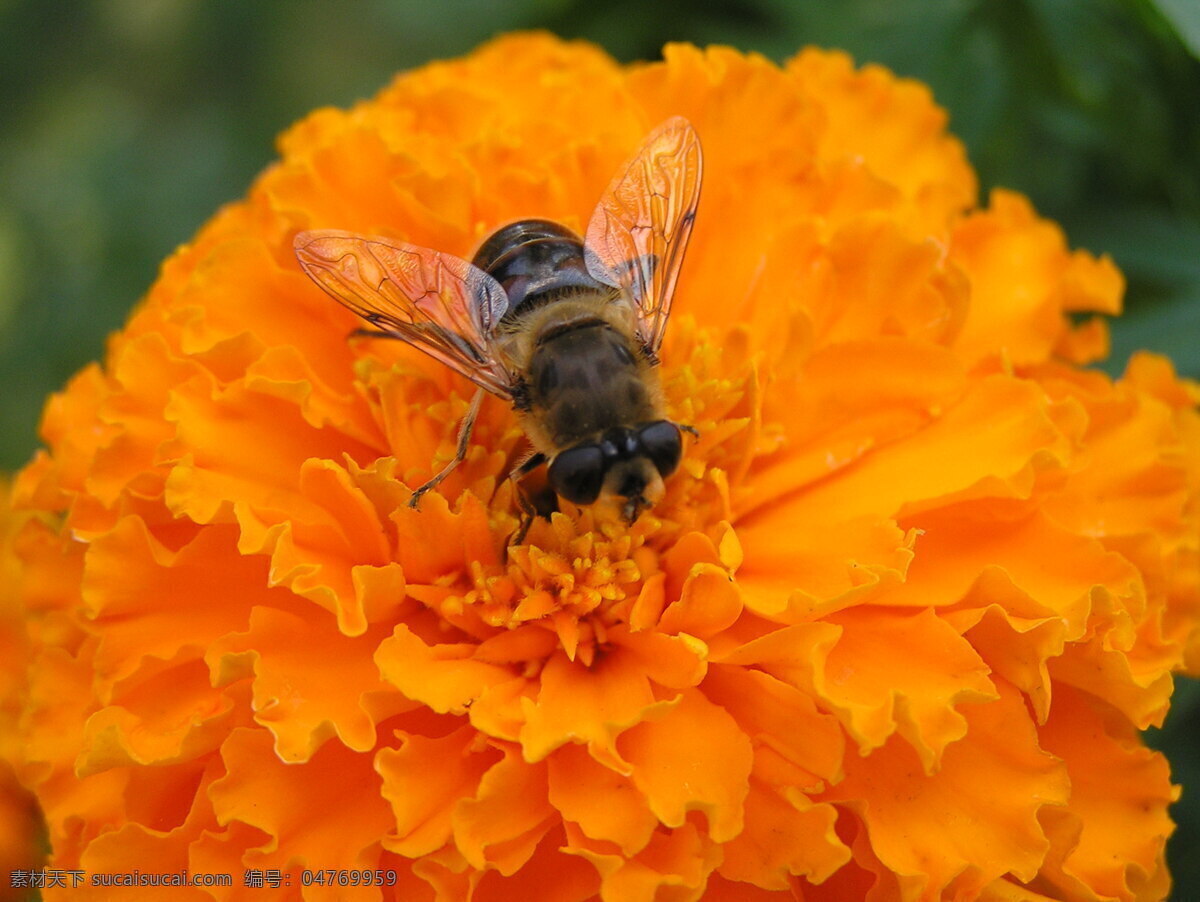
(451,310)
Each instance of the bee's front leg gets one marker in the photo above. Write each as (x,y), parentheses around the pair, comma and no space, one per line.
(464,439)
(533,504)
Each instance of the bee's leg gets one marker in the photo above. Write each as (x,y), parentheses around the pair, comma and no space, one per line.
(632,509)
(460,454)
(690,430)
(529,509)
(528,515)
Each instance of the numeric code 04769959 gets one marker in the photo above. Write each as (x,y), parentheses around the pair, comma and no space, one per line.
(347,877)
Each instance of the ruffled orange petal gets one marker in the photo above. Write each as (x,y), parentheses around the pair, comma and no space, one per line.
(676,863)
(130,572)
(959,544)
(51,481)
(605,804)
(906,291)
(870,390)
(909,146)
(58,704)
(990,444)
(719,759)
(128,851)
(442,676)
(549,875)
(1038,602)
(501,825)
(795,570)
(213,429)
(1023,281)
(589,705)
(973,820)
(423,780)
(806,754)
(786,836)
(875,687)
(1120,792)
(326,810)
(141,727)
(309,686)
(672,661)
(19,817)
(134,409)
(710,603)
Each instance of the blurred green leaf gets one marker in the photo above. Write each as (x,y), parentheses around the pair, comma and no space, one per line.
(1177,739)
(1184,16)
(1159,252)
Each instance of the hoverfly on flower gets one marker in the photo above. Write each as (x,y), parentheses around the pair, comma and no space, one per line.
(566,330)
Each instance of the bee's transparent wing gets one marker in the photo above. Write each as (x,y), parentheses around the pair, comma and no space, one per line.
(637,236)
(436,302)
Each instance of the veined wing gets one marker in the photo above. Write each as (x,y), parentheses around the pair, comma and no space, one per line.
(638,234)
(436,302)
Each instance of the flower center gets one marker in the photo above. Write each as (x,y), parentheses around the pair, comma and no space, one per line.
(580,573)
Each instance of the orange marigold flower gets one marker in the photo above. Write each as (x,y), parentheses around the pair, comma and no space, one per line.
(892,632)
(19,829)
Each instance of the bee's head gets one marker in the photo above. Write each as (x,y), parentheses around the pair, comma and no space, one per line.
(624,463)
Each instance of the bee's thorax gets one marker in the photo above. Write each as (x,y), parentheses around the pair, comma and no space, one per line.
(588,379)
(535,261)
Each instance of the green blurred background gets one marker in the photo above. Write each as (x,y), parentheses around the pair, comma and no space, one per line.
(124,124)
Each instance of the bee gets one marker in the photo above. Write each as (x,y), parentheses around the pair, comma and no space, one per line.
(566,330)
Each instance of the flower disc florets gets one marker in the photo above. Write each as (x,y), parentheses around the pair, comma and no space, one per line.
(917,584)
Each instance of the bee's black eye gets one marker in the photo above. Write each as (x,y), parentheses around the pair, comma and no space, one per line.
(578,473)
(662,443)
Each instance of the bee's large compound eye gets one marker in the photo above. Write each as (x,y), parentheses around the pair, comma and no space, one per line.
(578,473)
(662,443)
